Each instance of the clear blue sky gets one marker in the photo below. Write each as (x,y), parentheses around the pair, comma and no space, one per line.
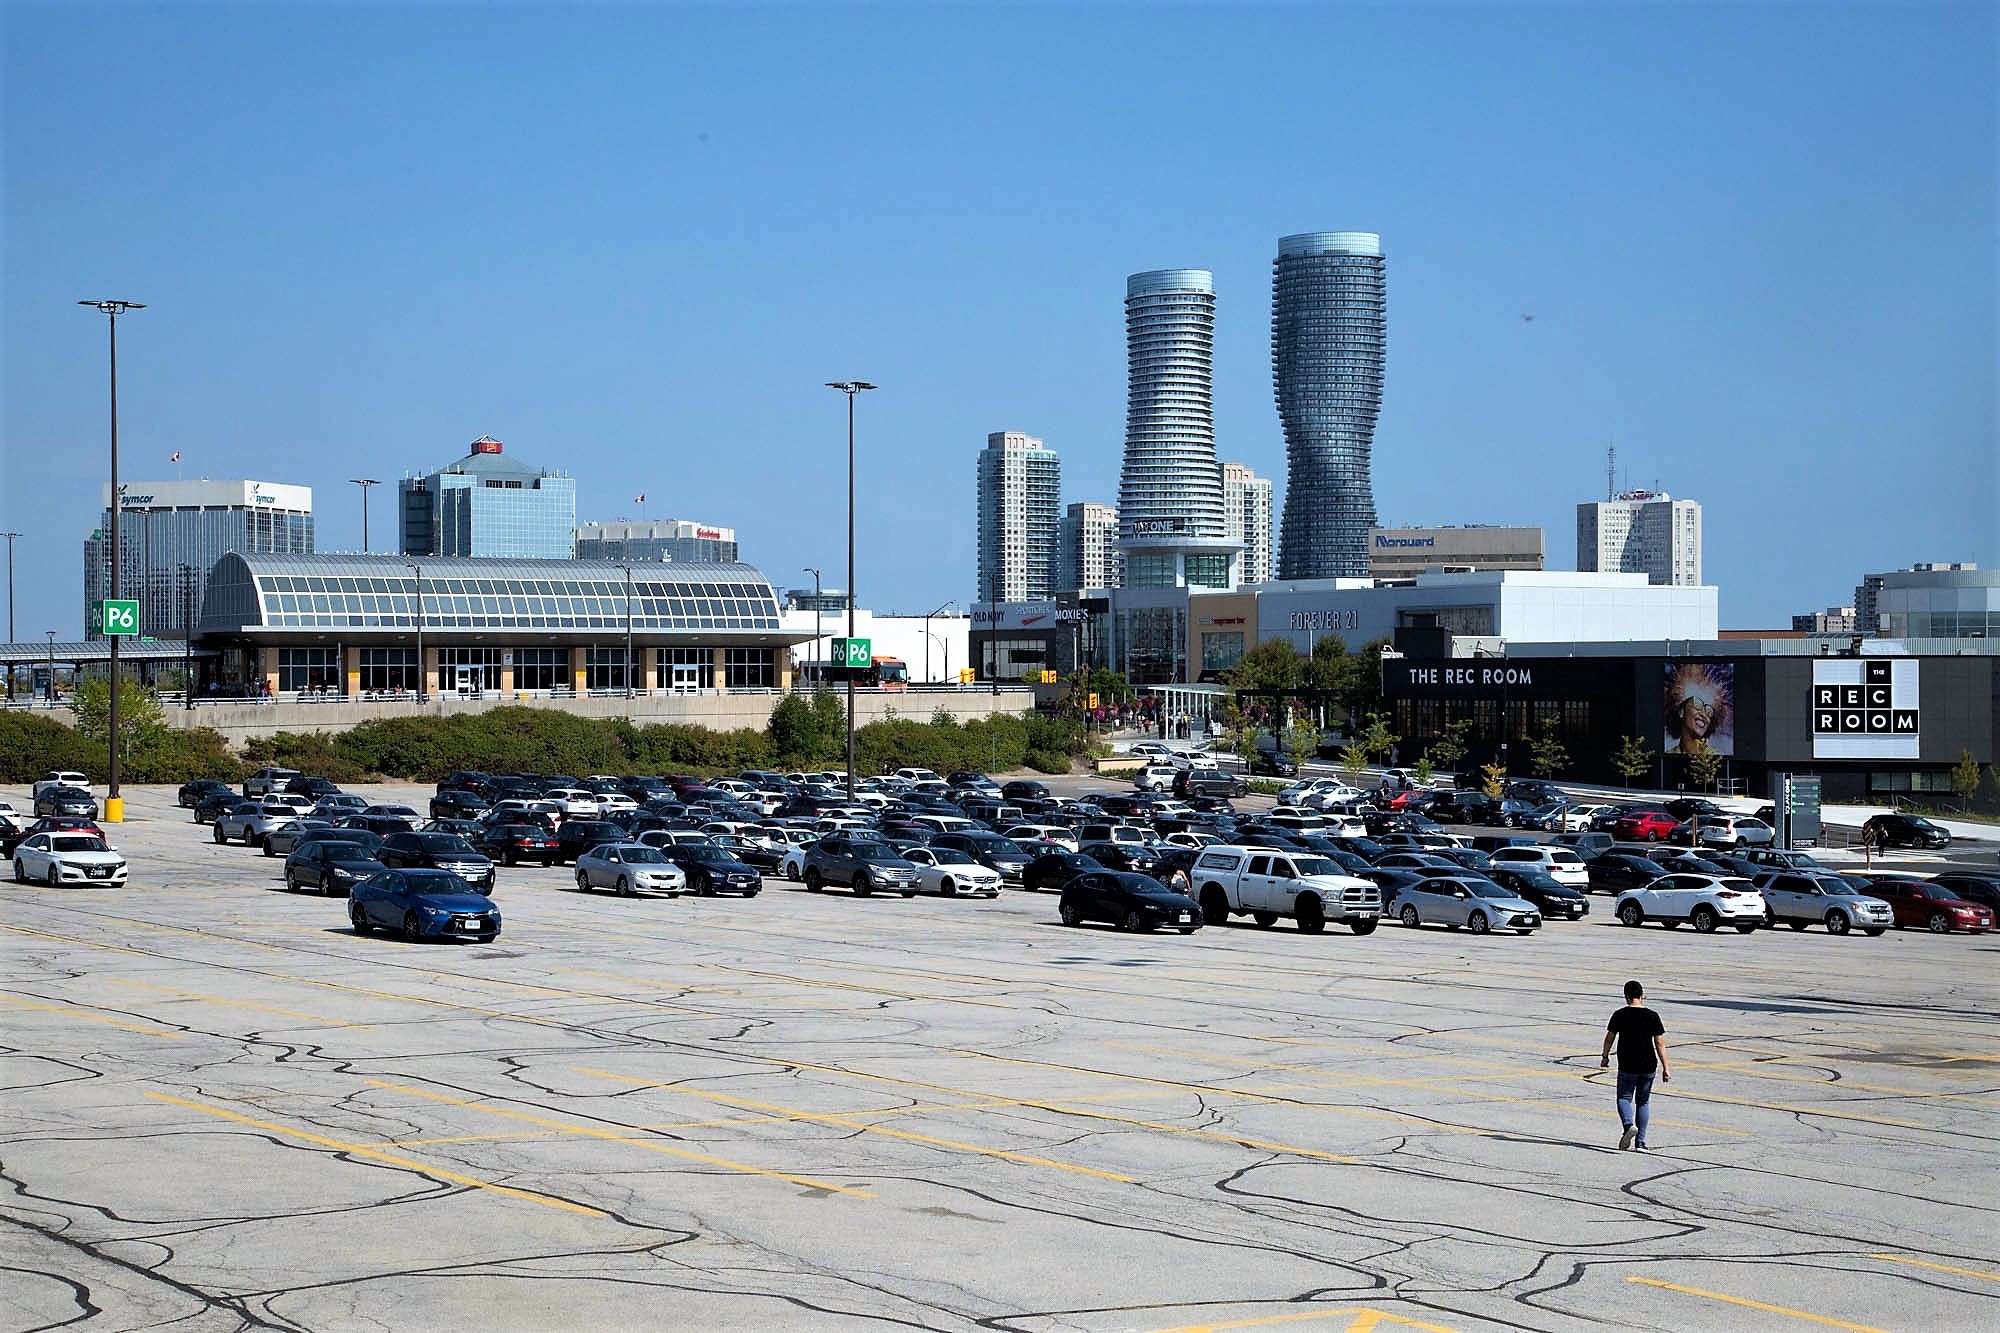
(633,241)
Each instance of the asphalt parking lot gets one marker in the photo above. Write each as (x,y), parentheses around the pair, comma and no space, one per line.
(225,1110)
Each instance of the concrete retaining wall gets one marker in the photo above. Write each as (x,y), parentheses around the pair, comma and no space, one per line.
(239,722)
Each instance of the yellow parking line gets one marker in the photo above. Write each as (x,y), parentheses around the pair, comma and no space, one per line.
(848,1122)
(1942,1268)
(848,985)
(240,1004)
(1361,1318)
(614,1136)
(1755,1305)
(73,1011)
(362,1150)
(71,939)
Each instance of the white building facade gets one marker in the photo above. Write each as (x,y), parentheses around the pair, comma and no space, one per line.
(1086,547)
(1641,532)
(1020,497)
(1246,517)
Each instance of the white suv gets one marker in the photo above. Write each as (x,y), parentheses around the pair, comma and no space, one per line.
(1704,901)
(1560,864)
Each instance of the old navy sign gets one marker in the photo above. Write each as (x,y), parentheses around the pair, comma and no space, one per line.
(1865,708)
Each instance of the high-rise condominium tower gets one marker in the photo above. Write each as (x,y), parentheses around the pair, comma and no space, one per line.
(1641,532)
(1246,508)
(1171,529)
(1086,556)
(1328,325)
(1020,494)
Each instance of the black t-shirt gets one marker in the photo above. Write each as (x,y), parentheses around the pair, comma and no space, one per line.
(1636,1027)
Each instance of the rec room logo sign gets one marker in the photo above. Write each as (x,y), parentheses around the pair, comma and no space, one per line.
(1865,708)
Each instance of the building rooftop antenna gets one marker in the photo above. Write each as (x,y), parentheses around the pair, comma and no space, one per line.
(1611,472)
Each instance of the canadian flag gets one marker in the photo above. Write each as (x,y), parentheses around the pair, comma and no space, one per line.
(638,499)
(176,458)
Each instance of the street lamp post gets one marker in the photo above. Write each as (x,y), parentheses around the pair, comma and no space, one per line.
(51,695)
(816,610)
(628,631)
(10,536)
(927,638)
(418,570)
(364,483)
(187,637)
(114,803)
(850,388)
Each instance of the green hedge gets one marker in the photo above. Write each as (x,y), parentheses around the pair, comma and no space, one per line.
(31,745)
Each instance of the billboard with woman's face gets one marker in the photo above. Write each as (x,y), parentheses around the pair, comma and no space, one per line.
(1700,706)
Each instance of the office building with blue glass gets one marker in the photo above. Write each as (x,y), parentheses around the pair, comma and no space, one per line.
(489,505)
(1328,333)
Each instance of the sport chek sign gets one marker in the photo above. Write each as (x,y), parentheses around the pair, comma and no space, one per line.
(1865,708)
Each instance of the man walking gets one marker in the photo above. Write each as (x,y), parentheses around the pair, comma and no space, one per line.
(1642,1050)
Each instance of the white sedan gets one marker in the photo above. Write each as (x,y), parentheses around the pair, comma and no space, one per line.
(948,871)
(629,868)
(68,858)
(12,818)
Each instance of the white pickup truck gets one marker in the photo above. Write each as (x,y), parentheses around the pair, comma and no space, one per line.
(1267,884)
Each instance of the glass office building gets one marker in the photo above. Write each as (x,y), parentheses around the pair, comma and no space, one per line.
(1171,526)
(1328,335)
(489,505)
(358,624)
(171,533)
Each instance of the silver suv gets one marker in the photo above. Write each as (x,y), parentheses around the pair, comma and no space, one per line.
(1802,898)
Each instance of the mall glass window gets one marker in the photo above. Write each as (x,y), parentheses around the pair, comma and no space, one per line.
(1149,571)
(748,669)
(1207,571)
(481,665)
(388,668)
(1219,652)
(684,669)
(541,669)
(604,668)
(309,669)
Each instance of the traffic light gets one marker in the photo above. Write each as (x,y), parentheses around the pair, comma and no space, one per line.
(1093,698)
(1048,677)
(966,675)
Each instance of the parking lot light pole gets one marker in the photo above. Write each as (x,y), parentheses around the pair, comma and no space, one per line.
(114,803)
(927,639)
(50,697)
(418,570)
(364,483)
(816,629)
(850,388)
(10,536)
(628,632)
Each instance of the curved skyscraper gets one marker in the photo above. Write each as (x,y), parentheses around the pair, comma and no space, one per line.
(1328,325)
(1170,512)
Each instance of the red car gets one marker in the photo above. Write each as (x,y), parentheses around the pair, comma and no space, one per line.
(1646,825)
(1917,902)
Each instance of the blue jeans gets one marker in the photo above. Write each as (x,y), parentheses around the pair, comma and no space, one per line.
(1635,1095)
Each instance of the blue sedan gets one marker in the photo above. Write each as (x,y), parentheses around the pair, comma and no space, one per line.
(423,904)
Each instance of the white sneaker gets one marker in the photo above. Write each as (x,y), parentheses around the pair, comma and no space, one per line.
(1640,1147)
(1628,1138)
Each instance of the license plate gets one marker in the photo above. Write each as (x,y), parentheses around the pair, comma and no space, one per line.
(1185,917)
(472,926)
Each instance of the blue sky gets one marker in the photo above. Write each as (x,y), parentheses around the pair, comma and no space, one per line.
(633,241)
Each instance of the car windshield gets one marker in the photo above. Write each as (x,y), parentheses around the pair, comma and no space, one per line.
(1485,889)
(641,856)
(443,844)
(1535,879)
(78,845)
(1317,865)
(1919,822)
(951,856)
(875,851)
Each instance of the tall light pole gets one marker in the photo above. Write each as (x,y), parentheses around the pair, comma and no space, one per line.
(418,570)
(364,483)
(927,638)
(850,388)
(10,536)
(114,803)
(628,631)
(187,636)
(816,608)
(51,695)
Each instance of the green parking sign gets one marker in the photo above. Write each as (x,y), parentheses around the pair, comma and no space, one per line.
(854,652)
(119,617)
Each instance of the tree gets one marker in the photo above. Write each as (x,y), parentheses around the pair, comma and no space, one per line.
(1965,776)
(1274,664)
(1447,752)
(1546,755)
(794,729)
(831,716)
(1377,741)
(1704,765)
(1422,770)
(138,711)
(1300,740)
(1495,780)
(1353,761)
(1633,759)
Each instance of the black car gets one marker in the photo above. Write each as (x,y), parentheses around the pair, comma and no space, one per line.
(1615,872)
(465,780)
(513,843)
(468,829)
(368,842)
(1691,807)
(1535,791)
(1056,869)
(1366,848)
(1121,856)
(330,866)
(437,851)
(458,803)
(1541,889)
(1273,764)
(1972,885)
(1585,845)
(1471,858)
(1128,901)
(313,789)
(66,801)
(711,869)
(990,850)
(577,836)
(192,792)
(216,803)
(1191,782)
(383,825)
(1393,882)
(1895,830)
(1466,807)
(1025,789)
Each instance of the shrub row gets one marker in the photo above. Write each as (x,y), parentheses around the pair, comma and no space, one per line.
(31,745)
